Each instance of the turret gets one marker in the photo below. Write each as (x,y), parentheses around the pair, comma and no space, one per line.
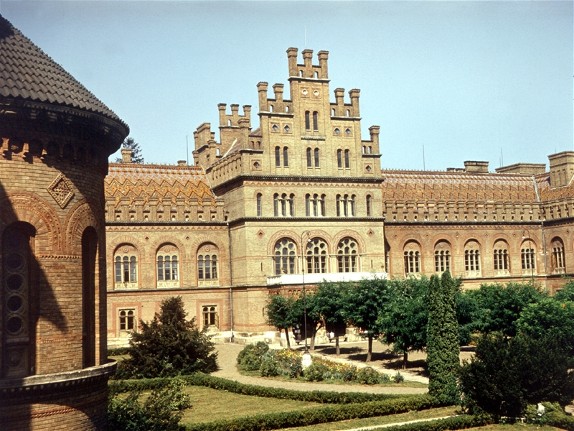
(262,92)
(561,168)
(354,94)
(307,70)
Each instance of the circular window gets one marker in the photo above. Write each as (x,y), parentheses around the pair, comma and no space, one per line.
(14,261)
(14,282)
(14,324)
(14,303)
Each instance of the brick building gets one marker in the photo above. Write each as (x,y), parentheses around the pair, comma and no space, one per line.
(55,140)
(300,197)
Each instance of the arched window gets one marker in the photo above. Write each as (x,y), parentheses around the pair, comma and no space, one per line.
(127,319)
(167,259)
(125,267)
(277,157)
(315,121)
(412,258)
(472,258)
(339,159)
(347,255)
(284,256)
(316,154)
(276,204)
(528,256)
(307,120)
(285,156)
(208,265)
(347,159)
(18,335)
(210,317)
(501,261)
(558,261)
(345,205)
(369,205)
(442,257)
(259,199)
(309,158)
(316,256)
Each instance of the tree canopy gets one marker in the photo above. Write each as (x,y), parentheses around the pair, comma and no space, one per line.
(130,144)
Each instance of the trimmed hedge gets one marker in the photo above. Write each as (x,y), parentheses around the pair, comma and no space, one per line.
(200,379)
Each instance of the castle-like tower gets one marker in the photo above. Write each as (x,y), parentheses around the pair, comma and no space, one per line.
(55,138)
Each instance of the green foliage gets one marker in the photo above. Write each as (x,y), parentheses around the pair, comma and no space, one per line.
(331,302)
(251,357)
(442,339)
(169,345)
(500,306)
(507,374)
(315,372)
(161,410)
(131,144)
(549,317)
(403,320)
(467,313)
(566,293)
(370,376)
(280,313)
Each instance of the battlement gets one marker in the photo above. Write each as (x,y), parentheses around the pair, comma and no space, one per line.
(234,119)
(307,69)
(342,109)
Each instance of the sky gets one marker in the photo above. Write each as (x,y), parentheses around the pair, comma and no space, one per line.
(447,81)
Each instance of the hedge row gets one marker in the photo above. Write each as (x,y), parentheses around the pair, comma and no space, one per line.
(560,420)
(452,423)
(319,415)
(200,379)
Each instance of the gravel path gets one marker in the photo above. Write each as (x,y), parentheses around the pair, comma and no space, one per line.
(227,356)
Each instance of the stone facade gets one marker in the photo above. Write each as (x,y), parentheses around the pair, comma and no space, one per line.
(55,138)
(300,197)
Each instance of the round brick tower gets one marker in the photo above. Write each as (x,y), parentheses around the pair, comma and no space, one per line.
(55,140)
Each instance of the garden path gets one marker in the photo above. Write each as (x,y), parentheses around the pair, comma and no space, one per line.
(227,356)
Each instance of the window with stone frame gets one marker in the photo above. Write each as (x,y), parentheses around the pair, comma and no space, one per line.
(347,159)
(314,205)
(558,260)
(369,205)
(316,157)
(277,157)
(307,120)
(315,121)
(284,256)
(309,153)
(126,267)
(208,265)
(347,255)
(340,159)
(412,258)
(284,205)
(126,321)
(442,257)
(285,156)
(210,317)
(316,256)
(259,204)
(501,258)
(167,265)
(345,205)
(472,259)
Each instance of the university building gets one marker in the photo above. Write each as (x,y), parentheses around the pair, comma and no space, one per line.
(296,196)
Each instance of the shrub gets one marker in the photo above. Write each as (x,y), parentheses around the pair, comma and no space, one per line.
(249,359)
(162,410)
(368,376)
(269,366)
(315,372)
(288,362)
(398,378)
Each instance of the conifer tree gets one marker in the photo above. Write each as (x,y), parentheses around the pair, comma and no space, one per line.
(442,340)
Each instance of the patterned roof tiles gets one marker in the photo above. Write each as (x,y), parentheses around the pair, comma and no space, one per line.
(27,73)
(457,186)
(137,182)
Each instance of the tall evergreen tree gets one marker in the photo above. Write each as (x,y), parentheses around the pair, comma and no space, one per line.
(131,144)
(442,339)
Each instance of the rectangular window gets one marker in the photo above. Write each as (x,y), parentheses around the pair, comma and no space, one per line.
(127,319)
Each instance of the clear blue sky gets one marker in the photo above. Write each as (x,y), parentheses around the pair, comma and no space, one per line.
(484,80)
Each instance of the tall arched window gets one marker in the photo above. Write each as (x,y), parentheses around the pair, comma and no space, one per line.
(284,256)
(315,121)
(167,259)
(347,159)
(309,158)
(501,260)
(18,353)
(277,157)
(339,159)
(347,255)
(259,199)
(285,156)
(558,260)
(528,256)
(307,120)
(442,257)
(276,204)
(316,157)
(472,258)
(369,205)
(412,258)
(126,267)
(208,265)
(316,256)
(210,317)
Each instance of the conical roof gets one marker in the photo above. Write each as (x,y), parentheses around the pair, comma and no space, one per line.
(30,75)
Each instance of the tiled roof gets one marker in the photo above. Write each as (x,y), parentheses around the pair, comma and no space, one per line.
(550,194)
(29,74)
(141,182)
(457,186)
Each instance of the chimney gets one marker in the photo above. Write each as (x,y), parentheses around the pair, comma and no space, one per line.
(127,155)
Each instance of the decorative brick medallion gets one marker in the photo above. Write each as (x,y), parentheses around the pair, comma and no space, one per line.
(61,190)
